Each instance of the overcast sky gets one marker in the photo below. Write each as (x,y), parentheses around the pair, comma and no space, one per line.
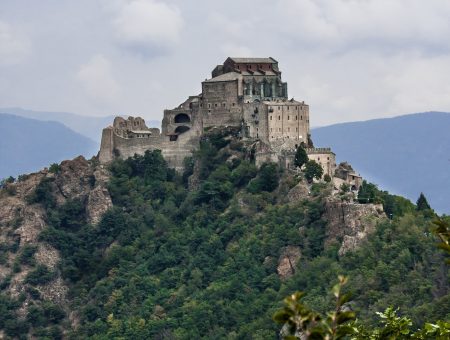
(348,59)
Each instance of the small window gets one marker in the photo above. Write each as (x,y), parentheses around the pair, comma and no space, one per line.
(223,104)
(296,117)
(279,129)
(209,105)
(215,105)
(328,158)
(233,104)
(279,117)
(301,117)
(270,117)
(279,107)
(296,129)
(201,105)
(271,129)
(288,108)
(288,117)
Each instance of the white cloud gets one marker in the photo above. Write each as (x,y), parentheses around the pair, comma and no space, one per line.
(384,25)
(147,26)
(98,80)
(14,47)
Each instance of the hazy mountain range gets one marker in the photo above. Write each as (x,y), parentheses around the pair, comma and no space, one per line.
(406,155)
(88,126)
(28,145)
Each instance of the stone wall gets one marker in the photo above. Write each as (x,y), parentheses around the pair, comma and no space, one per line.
(288,119)
(325,157)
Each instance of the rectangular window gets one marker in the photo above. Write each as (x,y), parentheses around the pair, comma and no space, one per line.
(279,107)
(279,117)
(296,117)
(271,129)
(270,117)
(296,129)
(279,129)
(301,117)
(288,108)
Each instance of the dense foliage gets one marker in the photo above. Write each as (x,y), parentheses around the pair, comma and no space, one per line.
(195,255)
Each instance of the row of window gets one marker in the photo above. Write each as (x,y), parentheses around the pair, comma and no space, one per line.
(288,129)
(217,105)
(288,117)
(279,108)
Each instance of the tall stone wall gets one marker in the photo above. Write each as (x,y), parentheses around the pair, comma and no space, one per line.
(288,120)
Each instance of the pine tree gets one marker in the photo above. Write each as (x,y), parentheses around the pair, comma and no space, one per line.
(422,203)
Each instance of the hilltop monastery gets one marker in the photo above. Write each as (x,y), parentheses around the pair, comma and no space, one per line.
(247,93)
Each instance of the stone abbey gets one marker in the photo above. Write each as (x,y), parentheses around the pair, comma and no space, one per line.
(246,93)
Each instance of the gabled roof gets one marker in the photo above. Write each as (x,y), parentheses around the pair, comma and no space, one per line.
(269,60)
(224,77)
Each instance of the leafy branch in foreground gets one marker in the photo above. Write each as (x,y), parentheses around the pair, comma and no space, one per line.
(300,322)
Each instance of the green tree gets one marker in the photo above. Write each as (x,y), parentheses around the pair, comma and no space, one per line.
(422,203)
(301,157)
(313,170)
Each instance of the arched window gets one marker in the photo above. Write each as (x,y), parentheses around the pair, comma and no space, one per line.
(182,118)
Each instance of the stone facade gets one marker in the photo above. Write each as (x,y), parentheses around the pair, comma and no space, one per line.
(247,93)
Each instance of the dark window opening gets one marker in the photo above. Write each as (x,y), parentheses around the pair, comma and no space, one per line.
(173,138)
(182,129)
(182,118)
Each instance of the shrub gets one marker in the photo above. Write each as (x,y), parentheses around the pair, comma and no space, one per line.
(41,275)
(54,168)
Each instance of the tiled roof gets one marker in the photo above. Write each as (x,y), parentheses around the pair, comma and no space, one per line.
(224,77)
(269,60)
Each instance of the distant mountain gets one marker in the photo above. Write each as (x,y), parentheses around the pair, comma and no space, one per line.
(88,126)
(405,155)
(28,144)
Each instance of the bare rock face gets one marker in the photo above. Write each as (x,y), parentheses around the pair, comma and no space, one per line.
(351,223)
(287,261)
(297,193)
(75,178)
(21,223)
(99,201)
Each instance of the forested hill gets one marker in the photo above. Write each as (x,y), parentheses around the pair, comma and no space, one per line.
(28,144)
(139,251)
(406,155)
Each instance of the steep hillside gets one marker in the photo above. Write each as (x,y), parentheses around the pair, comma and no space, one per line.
(139,251)
(406,155)
(87,126)
(28,144)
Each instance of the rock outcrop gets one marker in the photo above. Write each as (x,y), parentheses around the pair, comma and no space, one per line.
(22,221)
(351,223)
(287,261)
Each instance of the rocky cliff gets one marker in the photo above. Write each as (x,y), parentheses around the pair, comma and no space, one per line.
(29,267)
